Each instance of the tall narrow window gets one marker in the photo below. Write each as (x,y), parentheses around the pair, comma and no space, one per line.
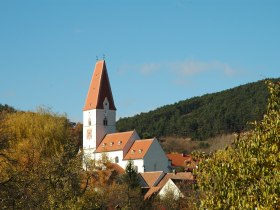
(116,159)
(105,122)
(89,119)
(106,106)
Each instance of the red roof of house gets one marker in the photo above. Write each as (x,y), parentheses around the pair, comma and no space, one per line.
(151,177)
(114,141)
(178,159)
(118,168)
(139,149)
(99,89)
(151,192)
(179,176)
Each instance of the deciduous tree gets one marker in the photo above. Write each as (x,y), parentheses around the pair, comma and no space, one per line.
(247,175)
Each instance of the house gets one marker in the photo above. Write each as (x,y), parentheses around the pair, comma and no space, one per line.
(176,183)
(182,161)
(150,179)
(177,187)
(100,136)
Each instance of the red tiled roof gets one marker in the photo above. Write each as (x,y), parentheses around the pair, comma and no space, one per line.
(151,177)
(139,149)
(118,168)
(114,141)
(179,175)
(99,89)
(150,192)
(179,159)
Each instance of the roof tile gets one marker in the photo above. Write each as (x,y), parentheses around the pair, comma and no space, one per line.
(99,89)
(151,177)
(114,141)
(139,149)
(179,159)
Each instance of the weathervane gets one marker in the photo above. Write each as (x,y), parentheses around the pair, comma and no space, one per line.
(96,58)
(103,56)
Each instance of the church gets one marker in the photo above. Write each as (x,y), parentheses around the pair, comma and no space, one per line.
(100,135)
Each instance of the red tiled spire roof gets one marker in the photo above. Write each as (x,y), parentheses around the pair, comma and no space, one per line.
(99,89)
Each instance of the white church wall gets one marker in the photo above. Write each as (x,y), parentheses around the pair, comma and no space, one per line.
(101,129)
(113,156)
(111,119)
(155,158)
(93,120)
(88,142)
(138,163)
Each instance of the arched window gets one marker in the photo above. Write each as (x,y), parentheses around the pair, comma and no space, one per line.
(116,159)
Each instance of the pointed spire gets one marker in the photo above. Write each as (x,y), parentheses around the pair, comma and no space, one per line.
(99,89)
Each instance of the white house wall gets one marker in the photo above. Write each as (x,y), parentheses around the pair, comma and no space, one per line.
(155,158)
(170,187)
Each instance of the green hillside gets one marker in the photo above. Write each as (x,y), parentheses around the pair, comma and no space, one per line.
(203,117)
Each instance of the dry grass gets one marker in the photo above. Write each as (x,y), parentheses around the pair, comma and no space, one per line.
(186,145)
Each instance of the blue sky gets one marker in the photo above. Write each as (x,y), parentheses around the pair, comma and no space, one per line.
(157,52)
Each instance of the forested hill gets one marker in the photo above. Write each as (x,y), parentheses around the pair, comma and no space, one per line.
(203,117)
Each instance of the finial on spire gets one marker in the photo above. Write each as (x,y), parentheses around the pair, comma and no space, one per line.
(103,56)
(96,58)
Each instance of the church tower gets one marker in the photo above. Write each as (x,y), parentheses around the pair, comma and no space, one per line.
(99,113)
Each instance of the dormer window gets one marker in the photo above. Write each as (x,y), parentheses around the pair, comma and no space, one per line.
(140,151)
(119,142)
(104,144)
(132,151)
(111,143)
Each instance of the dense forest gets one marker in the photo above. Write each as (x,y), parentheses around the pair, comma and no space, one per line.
(203,117)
